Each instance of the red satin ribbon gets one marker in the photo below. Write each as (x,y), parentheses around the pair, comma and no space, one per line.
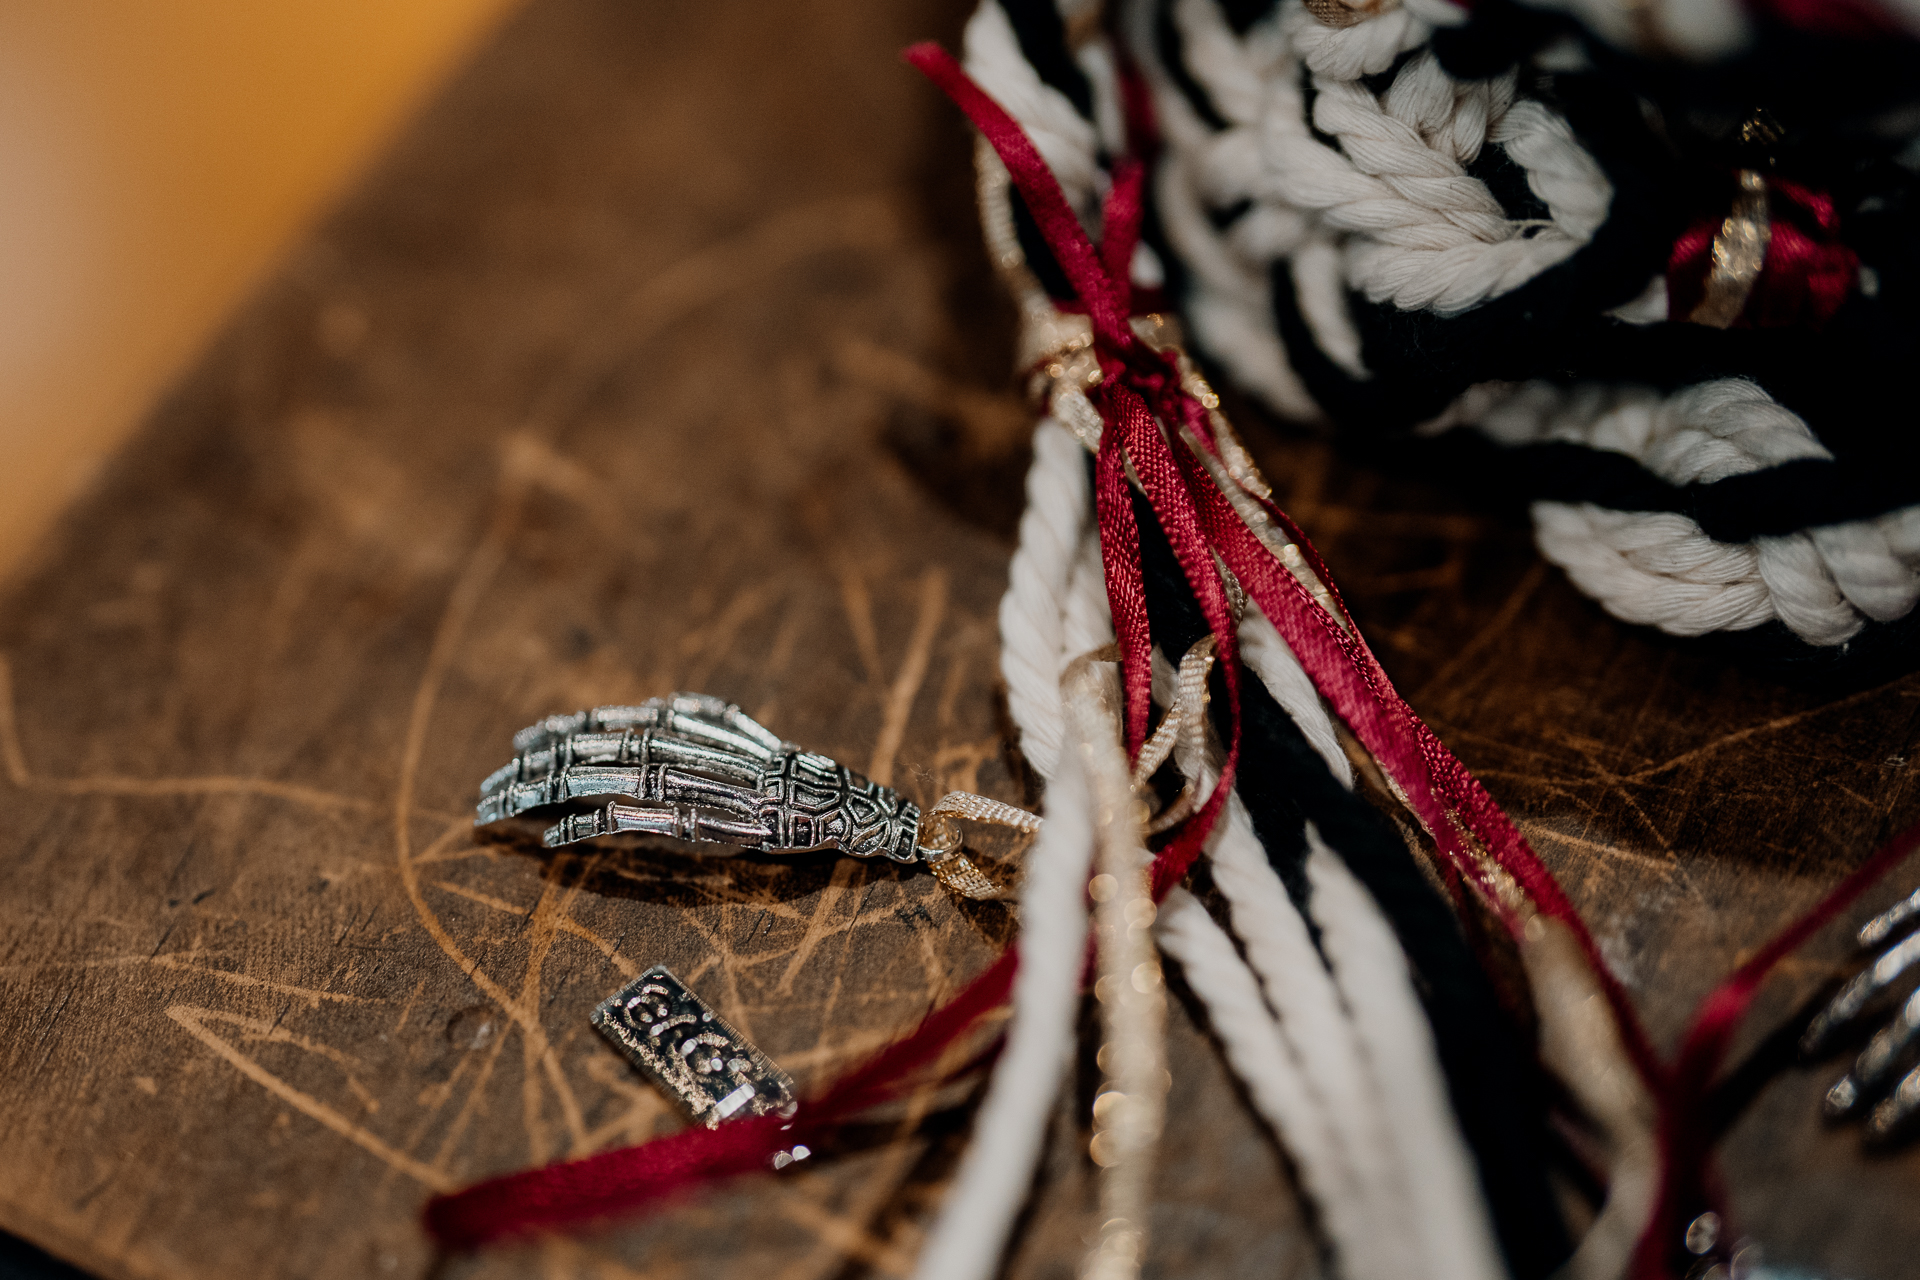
(1684,1135)
(1140,390)
(623,1181)
(1805,277)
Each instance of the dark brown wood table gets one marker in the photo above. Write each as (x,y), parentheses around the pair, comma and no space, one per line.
(661,354)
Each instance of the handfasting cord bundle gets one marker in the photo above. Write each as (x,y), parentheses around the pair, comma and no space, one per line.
(1650,267)
(1177,657)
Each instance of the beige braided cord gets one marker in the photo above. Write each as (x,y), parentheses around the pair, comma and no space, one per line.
(940,840)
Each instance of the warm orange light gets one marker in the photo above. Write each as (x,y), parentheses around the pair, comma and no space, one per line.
(155,158)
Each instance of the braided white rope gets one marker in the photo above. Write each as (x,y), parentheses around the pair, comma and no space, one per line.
(1045,613)
(1054,608)
(1066,140)
(1426,234)
(1360,1035)
(1371,970)
(1260,1056)
(1661,568)
(1088,623)
(1033,611)
(1384,1134)
(1056,600)
(1229,304)
(1417,230)
(996,1172)
(1393,213)
(1372,1222)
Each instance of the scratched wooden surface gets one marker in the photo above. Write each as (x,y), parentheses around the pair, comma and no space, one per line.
(661,355)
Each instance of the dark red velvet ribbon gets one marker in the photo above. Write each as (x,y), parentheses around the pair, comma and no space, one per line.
(1139,391)
(1806,274)
(628,1179)
(1686,1139)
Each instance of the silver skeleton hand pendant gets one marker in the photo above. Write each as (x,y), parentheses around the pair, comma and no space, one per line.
(697,769)
(1884,1081)
(701,769)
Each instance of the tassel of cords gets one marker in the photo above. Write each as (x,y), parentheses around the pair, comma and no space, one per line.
(1496,1093)
(1335,1110)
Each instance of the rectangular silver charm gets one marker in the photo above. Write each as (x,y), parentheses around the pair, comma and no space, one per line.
(675,1037)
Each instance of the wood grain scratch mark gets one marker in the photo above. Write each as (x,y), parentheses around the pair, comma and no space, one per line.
(709,645)
(181,964)
(195,1019)
(407,1011)
(1613,783)
(785,639)
(1769,726)
(820,924)
(552,907)
(945,707)
(565,1259)
(956,766)
(13,756)
(645,1105)
(10,753)
(866,1201)
(847,1238)
(470,585)
(567,924)
(993,418)
(468,1105)
(913,673)
(857,600)
(865,222)
(1498,625)
(1665,867)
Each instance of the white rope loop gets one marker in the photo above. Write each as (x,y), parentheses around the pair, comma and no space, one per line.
(1660,568)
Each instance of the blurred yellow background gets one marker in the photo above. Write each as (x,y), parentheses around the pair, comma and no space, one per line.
(155,159)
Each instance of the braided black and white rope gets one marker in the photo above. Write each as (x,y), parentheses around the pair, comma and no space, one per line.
(1370,237)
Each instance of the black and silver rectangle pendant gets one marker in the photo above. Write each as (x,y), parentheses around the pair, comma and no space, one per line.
(690,1051)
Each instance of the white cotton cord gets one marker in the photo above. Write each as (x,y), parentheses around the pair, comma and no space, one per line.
(1269,658)
(1390,211)
(1109,115)
(1660,568)
(1366,48)
(1088,621)
(1347,1097)
(1322,1037)
(1039,580)
(1065,139)
(1371,970)
(1229,308)
(1320,291)
(1434,237)
(1230,303)
(1265,1065)
(1656,569)
(1054,608)
(997,1171)
(1425,233)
